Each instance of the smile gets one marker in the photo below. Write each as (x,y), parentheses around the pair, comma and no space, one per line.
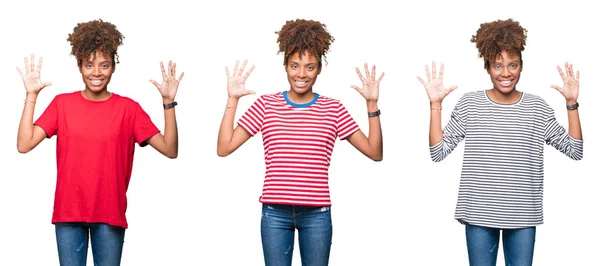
(96,81)
(506,82)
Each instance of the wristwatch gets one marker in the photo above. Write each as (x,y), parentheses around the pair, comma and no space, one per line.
(374,114)
(169,105)
(573,107)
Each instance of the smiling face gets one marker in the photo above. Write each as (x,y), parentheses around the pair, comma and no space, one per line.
(96,72)
(505,72)
(302,72)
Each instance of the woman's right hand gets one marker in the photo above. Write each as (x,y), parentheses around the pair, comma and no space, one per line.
(31,77)
(236,82)
(434,86)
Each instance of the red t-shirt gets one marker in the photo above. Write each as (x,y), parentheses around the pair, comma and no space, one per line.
(95,143)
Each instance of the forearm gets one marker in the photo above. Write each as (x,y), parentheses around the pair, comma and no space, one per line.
(375,136)
(574,122)
(25,133)
(171,137)
(435,124)
(226,128)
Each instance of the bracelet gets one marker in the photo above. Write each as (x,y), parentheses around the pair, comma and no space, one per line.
(26,101)
(573,107)
(437,109)
(169,105)
(374,114)
(230,107)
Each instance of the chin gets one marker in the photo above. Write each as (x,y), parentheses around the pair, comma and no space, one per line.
(300,90)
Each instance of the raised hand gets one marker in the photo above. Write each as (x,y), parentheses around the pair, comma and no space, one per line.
(169,85)
(370,88)
(236,82)
(570,89)
(434,86)
(31,77)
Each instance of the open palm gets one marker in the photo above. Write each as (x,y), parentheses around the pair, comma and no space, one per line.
(31,77)
(434,85)
(370,88)
(570,89)
(236,81)
(168,88)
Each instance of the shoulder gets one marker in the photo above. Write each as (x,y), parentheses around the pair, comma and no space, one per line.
(533,98)
(124,100)
(328,101)
(271,97)
(536,102)
(68,96)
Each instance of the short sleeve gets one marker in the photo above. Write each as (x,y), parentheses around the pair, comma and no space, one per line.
(346,125)
(253,118)
(48,121)
(143,128)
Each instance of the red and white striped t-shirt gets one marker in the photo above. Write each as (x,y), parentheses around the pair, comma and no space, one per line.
(298,140)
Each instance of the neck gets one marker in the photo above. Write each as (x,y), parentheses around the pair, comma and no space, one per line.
(504,98)
(303,98)
(96,96)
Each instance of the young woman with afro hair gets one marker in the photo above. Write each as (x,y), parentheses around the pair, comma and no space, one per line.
(505,130)
(299,129)
(96,132)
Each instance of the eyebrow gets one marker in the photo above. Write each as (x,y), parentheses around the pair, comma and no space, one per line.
(103,62)
(511,62)
(297,63)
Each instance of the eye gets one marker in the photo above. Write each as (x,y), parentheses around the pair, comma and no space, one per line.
(514,66)
(105,66)
(497,67)
(311,68)
(294,66)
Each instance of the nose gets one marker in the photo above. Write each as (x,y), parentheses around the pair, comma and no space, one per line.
(302,72)
(505,72)
(96,71)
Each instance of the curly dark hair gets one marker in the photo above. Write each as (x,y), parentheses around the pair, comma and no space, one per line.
(93,36)
(299,36)
(502,35)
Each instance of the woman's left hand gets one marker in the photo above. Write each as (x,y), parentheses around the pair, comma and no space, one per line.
(168,88)
(570,89)
(370,88)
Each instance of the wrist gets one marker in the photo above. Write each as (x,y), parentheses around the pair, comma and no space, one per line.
(167,100)
(435,105)
(372,106)
(571,102)
(31,96)
(231,101)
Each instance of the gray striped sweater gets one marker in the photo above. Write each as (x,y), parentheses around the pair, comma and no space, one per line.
(502,176)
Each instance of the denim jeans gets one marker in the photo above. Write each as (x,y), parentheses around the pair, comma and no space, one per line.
(482,245)
(278,225)
(72,241)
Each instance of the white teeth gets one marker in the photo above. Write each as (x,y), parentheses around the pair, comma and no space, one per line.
(96,81)
(506,82)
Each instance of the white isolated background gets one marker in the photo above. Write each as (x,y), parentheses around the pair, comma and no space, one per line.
(200,209)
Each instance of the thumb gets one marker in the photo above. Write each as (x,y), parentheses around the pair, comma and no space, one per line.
(250,92)
(47,84)
(452,89)
(356,88)
(155,83)
(556,88)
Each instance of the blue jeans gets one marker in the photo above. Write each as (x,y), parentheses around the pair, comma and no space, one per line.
(278,225)
(482,245)
(72,241)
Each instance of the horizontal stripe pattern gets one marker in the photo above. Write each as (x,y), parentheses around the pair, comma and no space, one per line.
(298,143)
(502,175)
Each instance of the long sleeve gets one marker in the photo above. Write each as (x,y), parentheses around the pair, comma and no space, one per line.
(557,137)
(454,133)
